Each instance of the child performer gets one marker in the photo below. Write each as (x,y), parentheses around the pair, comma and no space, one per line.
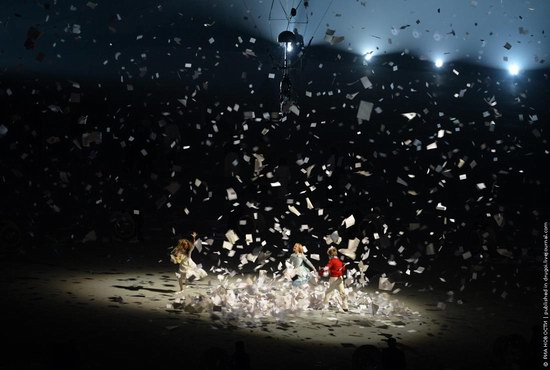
(335,269)
(188,268)
(297,260)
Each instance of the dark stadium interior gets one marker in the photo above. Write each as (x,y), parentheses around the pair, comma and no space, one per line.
(125,127)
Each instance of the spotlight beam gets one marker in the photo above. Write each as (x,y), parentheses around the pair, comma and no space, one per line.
(513,69)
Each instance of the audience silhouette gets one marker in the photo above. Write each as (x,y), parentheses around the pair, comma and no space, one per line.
(392,357)
(511,352)
(240,360)
(367,357)
(214,358)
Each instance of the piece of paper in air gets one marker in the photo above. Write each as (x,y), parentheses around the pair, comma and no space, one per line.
(198,245)
(294,210)
(366,82)
(231,194)
(365,110)
(350,221)
(328,34)
(331,38)
(335,238)
(336,40)
(409,116)
(353,243)
(351,250)
(294,109)
(231,236)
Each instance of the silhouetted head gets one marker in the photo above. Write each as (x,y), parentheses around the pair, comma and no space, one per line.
(366,357)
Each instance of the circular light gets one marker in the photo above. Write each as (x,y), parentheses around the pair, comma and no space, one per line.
(369,56)
(289,47)
(439,63)
(513,69)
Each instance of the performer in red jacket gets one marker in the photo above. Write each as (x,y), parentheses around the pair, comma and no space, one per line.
(336,270)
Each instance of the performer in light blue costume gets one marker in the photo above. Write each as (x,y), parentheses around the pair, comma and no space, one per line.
(300,273)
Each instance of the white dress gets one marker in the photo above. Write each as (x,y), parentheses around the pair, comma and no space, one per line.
(188,268)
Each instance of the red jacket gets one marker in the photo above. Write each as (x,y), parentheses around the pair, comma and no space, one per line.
(335,267)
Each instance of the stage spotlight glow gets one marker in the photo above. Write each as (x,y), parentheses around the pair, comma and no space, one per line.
(439,63)
(513,69)
(289,47)
(368,56)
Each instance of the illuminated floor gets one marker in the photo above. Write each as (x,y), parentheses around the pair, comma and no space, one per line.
(125,313)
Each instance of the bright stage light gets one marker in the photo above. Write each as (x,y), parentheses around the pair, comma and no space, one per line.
(289,47)
(369,56)
(513,69)
(439,63)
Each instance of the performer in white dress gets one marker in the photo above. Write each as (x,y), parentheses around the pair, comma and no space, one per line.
(297,271)
(188,269)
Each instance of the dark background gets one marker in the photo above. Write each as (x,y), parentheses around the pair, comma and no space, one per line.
(162,131)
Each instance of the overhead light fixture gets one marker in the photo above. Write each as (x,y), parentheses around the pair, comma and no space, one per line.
(287,38)
(369,55)
(439,63)
(513,69)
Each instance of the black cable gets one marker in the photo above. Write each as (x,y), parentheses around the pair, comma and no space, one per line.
(282,7)
(271,9)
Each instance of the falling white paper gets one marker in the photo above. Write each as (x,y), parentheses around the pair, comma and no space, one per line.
(365,110)
(351,250)
(350,221)
(409,116)
(432,146)
(430,250)
(231,236)
(294,210)
(294,109)
(440,207)
(366,82)
(231,194)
